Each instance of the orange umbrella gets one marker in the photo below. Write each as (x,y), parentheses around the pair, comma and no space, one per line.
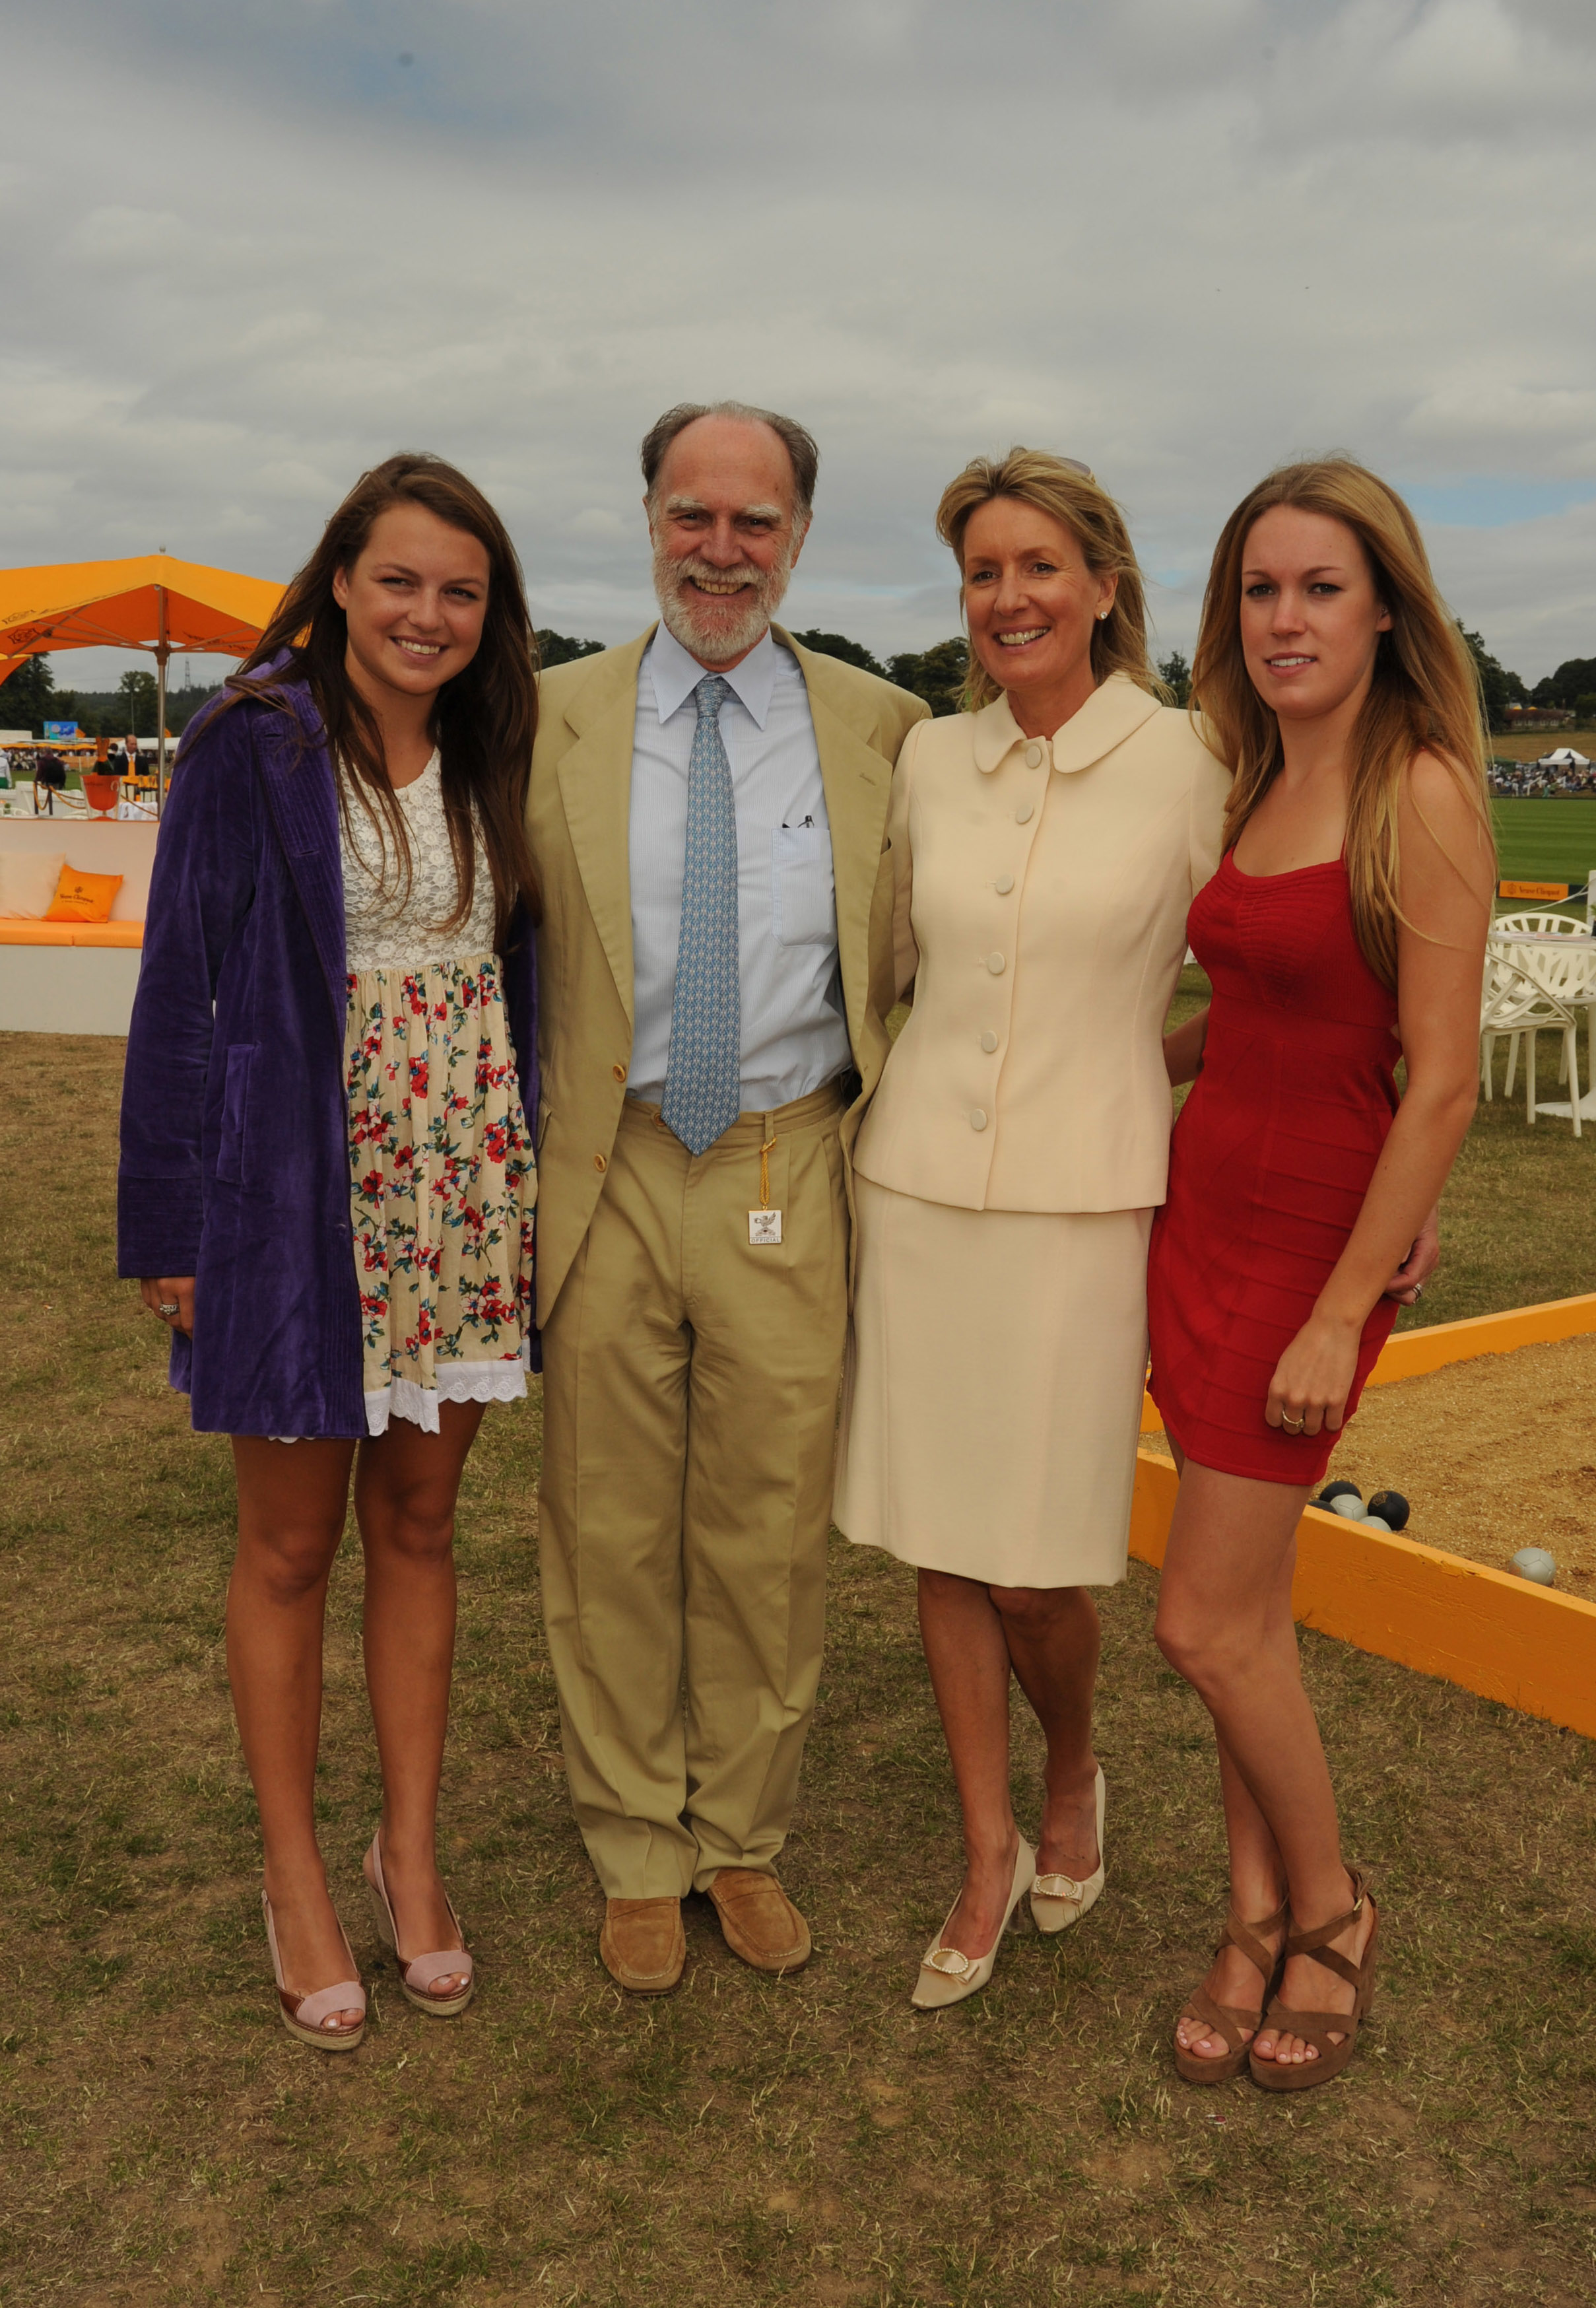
(152,602)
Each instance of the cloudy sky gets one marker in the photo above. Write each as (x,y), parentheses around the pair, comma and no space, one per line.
(249,248)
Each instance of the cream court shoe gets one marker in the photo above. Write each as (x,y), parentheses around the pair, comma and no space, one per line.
(1056,1901)
(947,1975)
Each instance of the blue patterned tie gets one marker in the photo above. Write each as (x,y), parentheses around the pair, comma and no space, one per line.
(703,1088)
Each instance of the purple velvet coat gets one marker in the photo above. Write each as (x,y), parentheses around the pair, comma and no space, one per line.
(235,1128)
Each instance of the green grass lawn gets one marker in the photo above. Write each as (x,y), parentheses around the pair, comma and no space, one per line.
(1551,841)
(813,2141)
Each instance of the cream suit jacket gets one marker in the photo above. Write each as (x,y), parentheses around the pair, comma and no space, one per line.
(578,817)
(1041,893)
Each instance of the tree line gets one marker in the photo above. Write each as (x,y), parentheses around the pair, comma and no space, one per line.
(30,698)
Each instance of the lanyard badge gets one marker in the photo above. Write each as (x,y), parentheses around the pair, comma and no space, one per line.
(764,1225)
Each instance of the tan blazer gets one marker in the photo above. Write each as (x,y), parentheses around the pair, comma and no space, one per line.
(1041,893)
(578,818)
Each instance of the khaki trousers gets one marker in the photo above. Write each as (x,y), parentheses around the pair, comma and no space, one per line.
(689,1413)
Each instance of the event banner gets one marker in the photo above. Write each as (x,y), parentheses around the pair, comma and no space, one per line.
(61,728)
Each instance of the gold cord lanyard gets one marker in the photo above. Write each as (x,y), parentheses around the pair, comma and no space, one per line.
(764,1225)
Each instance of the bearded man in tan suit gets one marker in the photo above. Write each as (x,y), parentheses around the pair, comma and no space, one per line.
(707,816)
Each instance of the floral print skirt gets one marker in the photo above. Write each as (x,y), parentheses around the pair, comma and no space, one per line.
(443,1184)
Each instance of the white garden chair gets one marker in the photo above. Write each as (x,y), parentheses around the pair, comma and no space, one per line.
(1537,926)
(1523,998)
(1507,927)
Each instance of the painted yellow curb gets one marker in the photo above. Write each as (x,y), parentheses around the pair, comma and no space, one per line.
(1529,1647)
(1411,1353)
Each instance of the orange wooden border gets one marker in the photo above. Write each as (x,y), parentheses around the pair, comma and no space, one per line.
(1409,1353)
(1488,1631)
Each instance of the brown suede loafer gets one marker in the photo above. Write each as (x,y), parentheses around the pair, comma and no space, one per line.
(643,1944)
(761,1923)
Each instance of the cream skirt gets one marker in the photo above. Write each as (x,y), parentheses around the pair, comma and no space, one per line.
(992,1392)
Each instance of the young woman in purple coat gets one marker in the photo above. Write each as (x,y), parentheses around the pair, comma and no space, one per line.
(327,1178)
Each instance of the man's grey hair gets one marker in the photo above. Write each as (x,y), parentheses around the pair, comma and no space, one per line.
(798,444)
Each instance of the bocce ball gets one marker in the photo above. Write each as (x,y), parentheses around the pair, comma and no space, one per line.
(1334,1491)
(1376,1522)
(1392,1508)
(1534,1563)
(1349,1505)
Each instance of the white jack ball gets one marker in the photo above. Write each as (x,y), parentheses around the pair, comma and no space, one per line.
(1534,1563)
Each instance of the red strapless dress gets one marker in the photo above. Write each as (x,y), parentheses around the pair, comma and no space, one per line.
(1271,1158)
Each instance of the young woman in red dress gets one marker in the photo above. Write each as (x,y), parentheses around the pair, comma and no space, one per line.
(1344,932)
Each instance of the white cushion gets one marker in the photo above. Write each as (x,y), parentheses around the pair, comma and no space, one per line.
(28,879)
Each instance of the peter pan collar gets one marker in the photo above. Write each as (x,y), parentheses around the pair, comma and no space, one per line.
(1114,711)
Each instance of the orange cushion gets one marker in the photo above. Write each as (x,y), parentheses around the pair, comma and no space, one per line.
(82,897)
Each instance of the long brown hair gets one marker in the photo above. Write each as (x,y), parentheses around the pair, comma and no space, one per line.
(1425,695)
(1070,493)
(484,720)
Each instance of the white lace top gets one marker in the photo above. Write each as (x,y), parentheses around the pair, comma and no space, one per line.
(388,929)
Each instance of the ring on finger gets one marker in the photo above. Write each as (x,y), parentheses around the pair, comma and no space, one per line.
(1292,1427)
(167,1312)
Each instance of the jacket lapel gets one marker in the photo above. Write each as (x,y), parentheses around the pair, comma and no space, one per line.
(295,773)
(595,777)
(858,785)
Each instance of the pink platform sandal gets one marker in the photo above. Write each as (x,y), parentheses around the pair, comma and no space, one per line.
(306,2016)
(416,1973)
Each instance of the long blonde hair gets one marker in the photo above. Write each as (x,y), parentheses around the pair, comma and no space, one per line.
(1425,695)
(1073,495)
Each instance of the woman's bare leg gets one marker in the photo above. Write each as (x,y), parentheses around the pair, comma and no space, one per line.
(1257,1871)
(963,1634)
(406,1486)
(1225,1622)
(292,1501)
(1053,1640)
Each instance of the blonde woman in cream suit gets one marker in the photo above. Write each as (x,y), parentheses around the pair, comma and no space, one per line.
(1046,847)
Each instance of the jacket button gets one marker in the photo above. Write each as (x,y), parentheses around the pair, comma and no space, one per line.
(989,1041)
(619,1072)
(1003,885)
(1033,757)
(1023,813)
(978,1117)
(994,962)
(599,1163)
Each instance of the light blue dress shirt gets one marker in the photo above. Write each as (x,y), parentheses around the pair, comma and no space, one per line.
(794,1036)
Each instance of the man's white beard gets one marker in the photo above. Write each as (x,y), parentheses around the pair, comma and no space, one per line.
(711,636)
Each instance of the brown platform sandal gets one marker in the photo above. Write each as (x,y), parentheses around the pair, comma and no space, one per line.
(1228,2020)
(1316,2028)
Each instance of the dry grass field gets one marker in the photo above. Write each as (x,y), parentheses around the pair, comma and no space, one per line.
(1532,745)
(813,2141)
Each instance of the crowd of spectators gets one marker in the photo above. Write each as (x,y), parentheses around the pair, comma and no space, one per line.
(1523,780)
(38,769)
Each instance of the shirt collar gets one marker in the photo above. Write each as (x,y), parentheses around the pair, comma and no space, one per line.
(1115,709)
(676,673)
